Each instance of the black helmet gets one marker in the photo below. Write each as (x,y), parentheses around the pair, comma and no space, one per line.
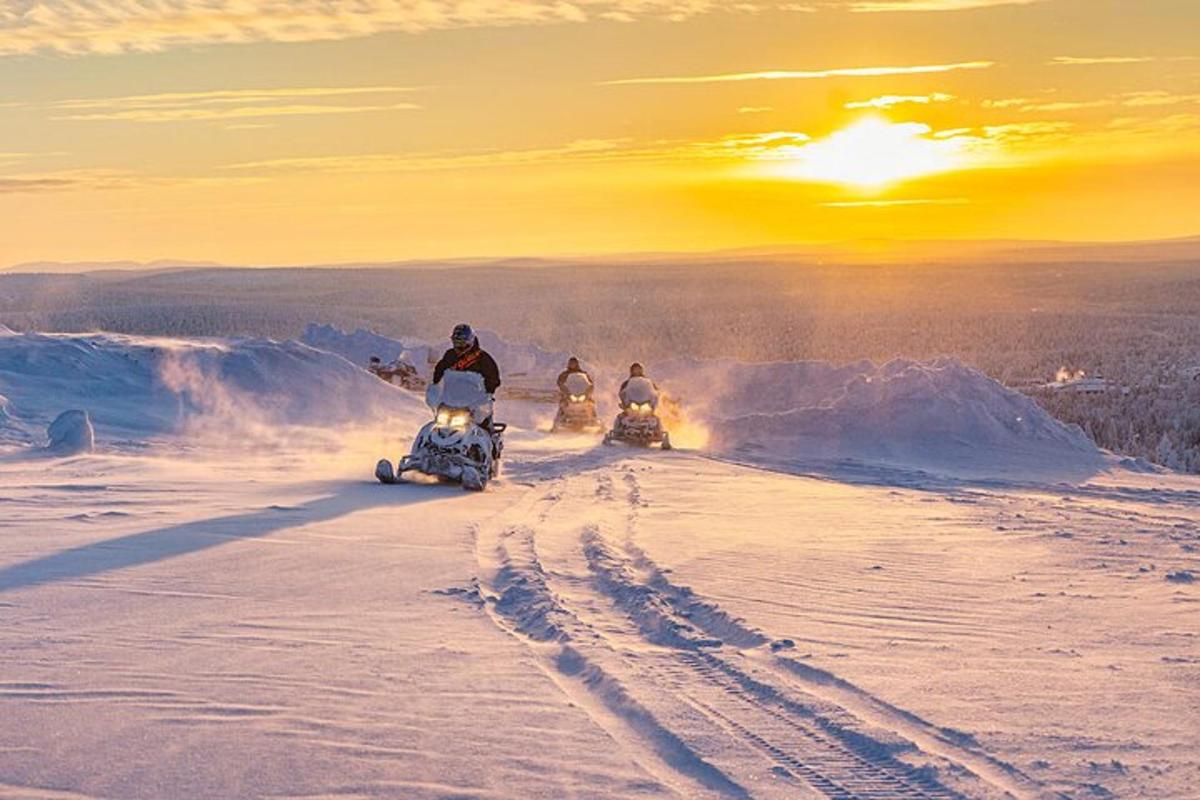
(636,370)
(462,337)
(572,363)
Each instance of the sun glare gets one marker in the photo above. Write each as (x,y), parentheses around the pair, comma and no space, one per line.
(873,153)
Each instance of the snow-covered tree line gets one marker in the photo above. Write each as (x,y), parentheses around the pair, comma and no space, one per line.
(1159,422)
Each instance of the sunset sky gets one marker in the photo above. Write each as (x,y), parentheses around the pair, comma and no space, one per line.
(303,131)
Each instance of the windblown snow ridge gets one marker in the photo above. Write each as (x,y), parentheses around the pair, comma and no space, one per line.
(137,387)
(932,414)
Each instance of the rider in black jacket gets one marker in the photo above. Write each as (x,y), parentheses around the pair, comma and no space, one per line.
(467,356)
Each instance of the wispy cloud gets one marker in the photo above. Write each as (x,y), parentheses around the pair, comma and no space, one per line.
(115,26)
(755,109)
(1157,98)
(224,104)
(879,6)
(889,100)
(224,96)
(248,112)
(794,75)
(771,145)
(581,150)
(1142,99)
(105,179)
(1078,61)
(26,185)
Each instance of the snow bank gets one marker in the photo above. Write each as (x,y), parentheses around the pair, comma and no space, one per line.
(939,414)
(71,434)
(358,347)
(135,387)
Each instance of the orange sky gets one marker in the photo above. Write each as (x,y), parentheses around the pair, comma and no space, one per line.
(299,131)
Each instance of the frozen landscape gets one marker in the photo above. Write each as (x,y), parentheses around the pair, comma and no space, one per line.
(853,579)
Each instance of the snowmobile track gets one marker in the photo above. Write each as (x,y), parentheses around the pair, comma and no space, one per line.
(690,692)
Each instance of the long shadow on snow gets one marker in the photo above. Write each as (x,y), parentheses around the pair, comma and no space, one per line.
(147,547)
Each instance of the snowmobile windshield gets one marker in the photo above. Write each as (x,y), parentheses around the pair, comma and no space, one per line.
(640,390)
(457,390)
(577,383)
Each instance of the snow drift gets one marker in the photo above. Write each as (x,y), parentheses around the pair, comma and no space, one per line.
(939,414)
(137,387)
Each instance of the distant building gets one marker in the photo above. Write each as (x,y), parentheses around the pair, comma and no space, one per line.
(1082,385)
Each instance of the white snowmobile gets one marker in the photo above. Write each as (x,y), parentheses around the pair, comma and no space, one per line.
(577,411)
(454,446)
(638,422)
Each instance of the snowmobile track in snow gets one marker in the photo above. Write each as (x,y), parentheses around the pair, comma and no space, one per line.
(694,695)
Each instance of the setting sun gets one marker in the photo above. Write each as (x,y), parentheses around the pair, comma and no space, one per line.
(872,153)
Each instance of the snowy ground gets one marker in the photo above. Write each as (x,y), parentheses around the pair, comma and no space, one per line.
(599,624)
(221,604)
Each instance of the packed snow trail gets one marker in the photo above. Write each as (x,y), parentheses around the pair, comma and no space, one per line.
(602,623)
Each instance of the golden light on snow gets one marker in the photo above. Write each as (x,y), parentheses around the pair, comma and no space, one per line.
(873,153)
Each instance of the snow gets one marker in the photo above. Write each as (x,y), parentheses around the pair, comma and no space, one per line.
(1004,613)
(358,347)
(71,434)
(140,388)
(937,415)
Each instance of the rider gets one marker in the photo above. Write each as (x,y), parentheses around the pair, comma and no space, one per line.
(636,370)
(573,368)
(467,356)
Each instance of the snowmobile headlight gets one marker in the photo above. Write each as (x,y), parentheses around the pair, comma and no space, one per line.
(443,417)
(578,398)
(459,420)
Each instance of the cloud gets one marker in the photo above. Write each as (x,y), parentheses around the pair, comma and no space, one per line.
(223,96)
(771,145)
(878,6)
(103,179)
(1061,105)
(889,100)
(1142,99)
(582,150)
(791,75)
(755,109)
(1157,98)
(24,185)
(1076,61)
(248,112)
(115,26)
(223,104)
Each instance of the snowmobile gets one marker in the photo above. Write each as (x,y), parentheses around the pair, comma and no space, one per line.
(577,411)
(454,446)
(398,372)
(638,423)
